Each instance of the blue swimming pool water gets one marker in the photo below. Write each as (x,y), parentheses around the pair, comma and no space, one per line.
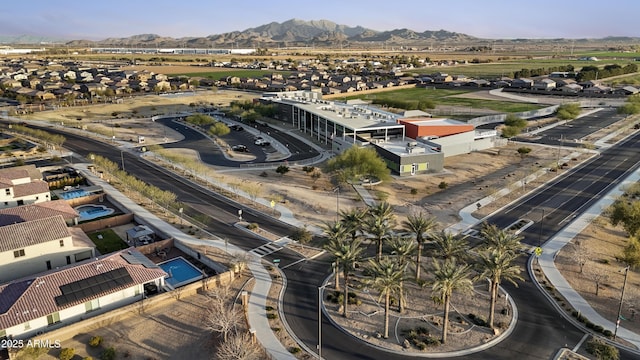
(89,212)
(73,194)
(181,272)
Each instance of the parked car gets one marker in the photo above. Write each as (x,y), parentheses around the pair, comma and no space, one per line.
(237,127)
(239,148)
(262,142)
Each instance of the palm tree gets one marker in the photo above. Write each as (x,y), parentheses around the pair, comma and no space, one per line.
(403,248)
(498,266)
(449,245)
(382,210)
(379,223)
(386,278)
(418,224)
(347,253)
(449,277)
(336,234)
(352,220)
(500,240)
(378,229)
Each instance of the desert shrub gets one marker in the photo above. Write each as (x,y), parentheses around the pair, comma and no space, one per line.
(67,354)
(87,358)
(272,316)
(443,185)
(95,341)
(294,349)
(108,354)
(598,328)
(269,308)
(301,235)
(420,345)
(601,350)
(253,226)
(608,333)
(477,319)
(275,329)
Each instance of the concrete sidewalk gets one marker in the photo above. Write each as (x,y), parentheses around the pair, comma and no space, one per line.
(257,301)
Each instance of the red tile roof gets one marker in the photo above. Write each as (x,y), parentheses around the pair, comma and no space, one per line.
(32,188)
(34,297)
(37,211)
(21,235)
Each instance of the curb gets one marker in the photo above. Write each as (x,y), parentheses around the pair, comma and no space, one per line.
(440,355)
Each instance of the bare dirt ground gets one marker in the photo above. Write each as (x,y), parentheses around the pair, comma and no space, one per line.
(469,177)
(603,245)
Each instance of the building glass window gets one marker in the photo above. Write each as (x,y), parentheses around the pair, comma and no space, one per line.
(7,191)
(61,243)
(18,253)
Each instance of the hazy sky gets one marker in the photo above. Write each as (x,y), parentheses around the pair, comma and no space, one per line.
(96,20)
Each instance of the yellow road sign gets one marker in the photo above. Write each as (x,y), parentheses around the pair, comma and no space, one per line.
(538,251)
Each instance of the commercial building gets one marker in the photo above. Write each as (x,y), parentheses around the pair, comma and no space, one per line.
(409,145)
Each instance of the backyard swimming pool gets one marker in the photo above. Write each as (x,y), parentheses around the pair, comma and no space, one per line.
(89,212)
(73,194)
(181,272)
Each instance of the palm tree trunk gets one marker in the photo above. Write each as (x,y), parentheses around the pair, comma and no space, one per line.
(401,301)
(379,255)
(492,305)
(445,322)
(418,260)
(345,301)
(386,315)
(336,276)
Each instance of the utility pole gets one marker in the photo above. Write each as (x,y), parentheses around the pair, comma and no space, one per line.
(624,285)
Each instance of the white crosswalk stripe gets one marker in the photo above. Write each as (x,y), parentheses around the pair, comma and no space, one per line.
(266,249)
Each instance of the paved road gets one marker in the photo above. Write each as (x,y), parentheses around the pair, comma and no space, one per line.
(563,199)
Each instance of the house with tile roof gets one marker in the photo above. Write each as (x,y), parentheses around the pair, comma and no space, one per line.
(22,185)
(37,211)
(43,302)
(43,244)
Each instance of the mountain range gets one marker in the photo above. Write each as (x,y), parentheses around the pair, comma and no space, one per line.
(294,32)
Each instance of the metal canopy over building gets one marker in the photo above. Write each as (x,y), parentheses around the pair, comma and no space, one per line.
(326,120)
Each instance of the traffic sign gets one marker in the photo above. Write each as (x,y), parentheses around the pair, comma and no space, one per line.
(538,251)
(273,203)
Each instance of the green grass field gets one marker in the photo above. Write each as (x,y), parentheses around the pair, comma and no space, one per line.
(109,243)
(444,97)
(217,75)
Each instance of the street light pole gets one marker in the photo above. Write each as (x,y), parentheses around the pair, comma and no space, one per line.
(320,322)
(122,158)
(624,285)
